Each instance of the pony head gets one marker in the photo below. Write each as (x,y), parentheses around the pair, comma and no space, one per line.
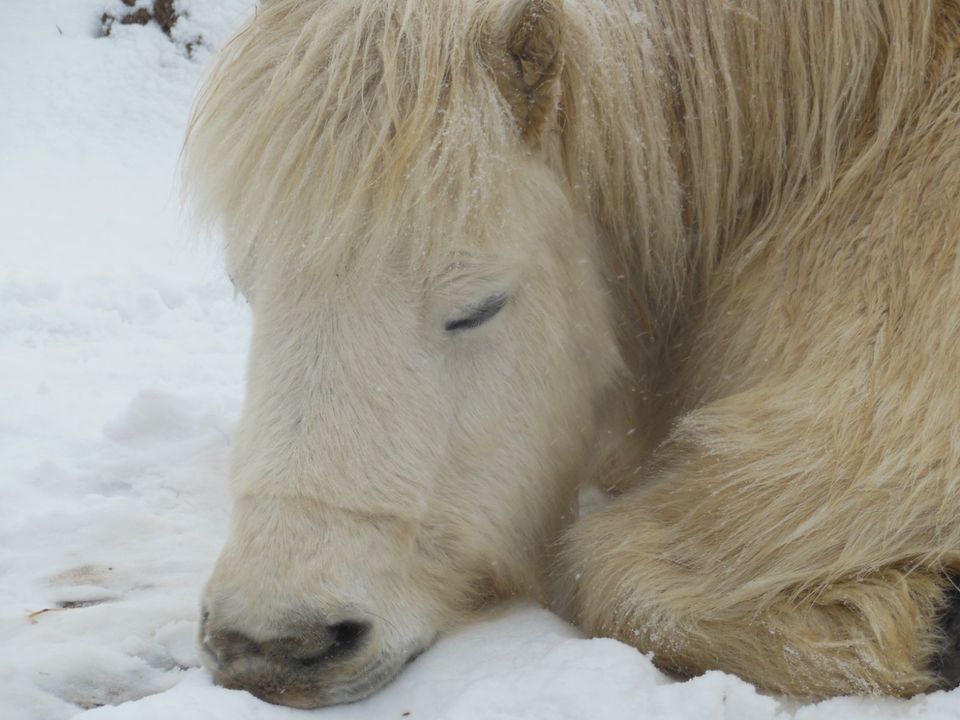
(432,338)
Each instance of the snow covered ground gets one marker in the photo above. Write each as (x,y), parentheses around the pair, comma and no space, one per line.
(121,363)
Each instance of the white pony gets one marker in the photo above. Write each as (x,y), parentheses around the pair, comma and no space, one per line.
(702,253)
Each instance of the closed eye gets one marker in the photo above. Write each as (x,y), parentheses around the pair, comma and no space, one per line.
(477,315)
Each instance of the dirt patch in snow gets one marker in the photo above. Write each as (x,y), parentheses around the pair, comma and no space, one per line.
(164,13)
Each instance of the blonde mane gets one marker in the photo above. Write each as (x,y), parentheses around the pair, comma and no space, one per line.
(361,126)
(729,117)
(364,124)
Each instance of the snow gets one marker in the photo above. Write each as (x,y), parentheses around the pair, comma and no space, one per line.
(122,351)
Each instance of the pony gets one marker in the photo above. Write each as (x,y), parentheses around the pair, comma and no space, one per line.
(701,254)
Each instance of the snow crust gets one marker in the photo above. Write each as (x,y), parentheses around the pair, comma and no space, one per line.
(122,350)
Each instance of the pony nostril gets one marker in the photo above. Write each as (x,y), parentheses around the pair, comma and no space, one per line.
(340,639)
(303,647)
(349,633)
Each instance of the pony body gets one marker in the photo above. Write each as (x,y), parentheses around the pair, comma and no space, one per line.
(725,240)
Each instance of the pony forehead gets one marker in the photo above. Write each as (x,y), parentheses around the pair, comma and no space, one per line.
(362,132)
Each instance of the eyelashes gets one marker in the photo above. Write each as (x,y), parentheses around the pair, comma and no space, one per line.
(477,315)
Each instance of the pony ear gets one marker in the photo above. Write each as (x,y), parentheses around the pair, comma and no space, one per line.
(525,54)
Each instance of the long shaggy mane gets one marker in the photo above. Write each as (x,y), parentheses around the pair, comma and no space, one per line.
(369,127)
(361,131)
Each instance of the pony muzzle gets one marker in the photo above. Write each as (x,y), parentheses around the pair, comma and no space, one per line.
(311,664)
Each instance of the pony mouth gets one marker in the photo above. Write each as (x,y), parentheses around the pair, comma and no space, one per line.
(311,692)
(373,680)
(369,681)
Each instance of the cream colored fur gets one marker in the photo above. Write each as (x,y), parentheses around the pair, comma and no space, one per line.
(729,231)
